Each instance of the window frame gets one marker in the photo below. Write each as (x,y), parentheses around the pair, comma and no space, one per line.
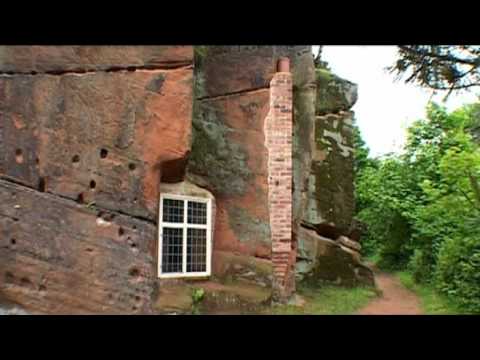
(185,226)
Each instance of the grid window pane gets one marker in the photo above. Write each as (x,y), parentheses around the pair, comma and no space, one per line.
(196,250)
(173,210)
(197,212)
(172,250)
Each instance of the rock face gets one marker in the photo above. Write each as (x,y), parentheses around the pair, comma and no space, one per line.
(86,136)
(90,136)
(331,183)
(229,151)
(330,190)
(96,137)
(229,156)
(64,258)
(325,252)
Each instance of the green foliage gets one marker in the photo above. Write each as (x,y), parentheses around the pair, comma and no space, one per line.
(422,208)
(197,295)
(458,271)
(383,201)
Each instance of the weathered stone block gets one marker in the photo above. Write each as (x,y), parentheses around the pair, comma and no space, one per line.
(331,196)
(230,159)
(64,258)
(230,69)
(97,137)
(322,259)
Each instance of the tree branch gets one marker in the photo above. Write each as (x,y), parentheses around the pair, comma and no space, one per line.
(450,58)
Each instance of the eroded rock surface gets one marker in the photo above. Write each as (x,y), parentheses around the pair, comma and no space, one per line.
(229,156)
(321,259)
(90,136)
(86,136)
(331,184)
(97,137)
(61,257)
(328,247)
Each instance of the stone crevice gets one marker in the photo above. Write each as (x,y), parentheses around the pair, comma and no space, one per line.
(81,71)
(234,93)
(91,207)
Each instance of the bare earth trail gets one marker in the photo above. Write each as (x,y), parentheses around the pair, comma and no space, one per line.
(396,299)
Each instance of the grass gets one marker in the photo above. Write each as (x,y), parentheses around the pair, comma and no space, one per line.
(328,300)
(432,302)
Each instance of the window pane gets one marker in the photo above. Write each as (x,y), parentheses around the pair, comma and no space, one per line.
(197,212)
(196,250)
(173,210)
(172,250)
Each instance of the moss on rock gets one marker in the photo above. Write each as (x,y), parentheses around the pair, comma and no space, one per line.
(248,228)
(220,162)
(334,94)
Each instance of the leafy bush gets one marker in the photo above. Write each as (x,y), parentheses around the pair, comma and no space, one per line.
(458,271)
(420,266)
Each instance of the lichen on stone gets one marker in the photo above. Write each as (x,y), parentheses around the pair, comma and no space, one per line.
(221,162)
(334,94)
(248,228)
(333,194)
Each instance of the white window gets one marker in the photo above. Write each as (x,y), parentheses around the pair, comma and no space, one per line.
(185,236)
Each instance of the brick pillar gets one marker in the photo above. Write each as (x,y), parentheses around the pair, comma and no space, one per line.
(278,140)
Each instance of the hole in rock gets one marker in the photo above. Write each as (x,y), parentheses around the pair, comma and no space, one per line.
(134,227)
(93,184)
(25,281)
(19,156)
(80,198)
(134,272)
(137,298)
(13,241)
(75,159)
(41,184)
(103,153)
(108,217)
(132,166)
(121,231)
(42,288)
(173,171)
(9,277)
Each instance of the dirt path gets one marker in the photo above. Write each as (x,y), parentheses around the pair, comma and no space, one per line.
(396,299)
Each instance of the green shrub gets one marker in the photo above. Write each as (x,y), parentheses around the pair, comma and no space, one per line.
(419,266)
(458,271)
